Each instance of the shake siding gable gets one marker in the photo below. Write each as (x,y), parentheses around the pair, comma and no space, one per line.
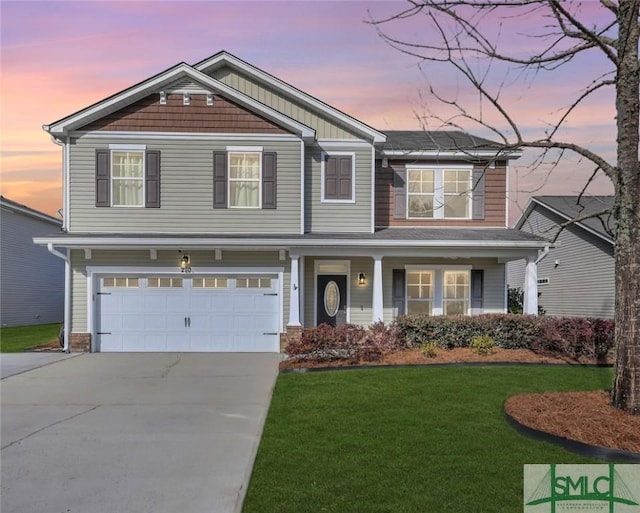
(391,198)
(187,191)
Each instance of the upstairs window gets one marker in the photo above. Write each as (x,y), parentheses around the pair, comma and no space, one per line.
(438,193)
(127,178)
(245,178)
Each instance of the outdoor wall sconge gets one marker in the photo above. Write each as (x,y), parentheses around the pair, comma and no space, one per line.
(184,264)
(362,279)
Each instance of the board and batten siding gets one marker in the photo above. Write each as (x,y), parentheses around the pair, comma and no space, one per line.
(583,282)
(361,296)
(325,128)
(186,191)
(31,279)
(165,258)
(338,217)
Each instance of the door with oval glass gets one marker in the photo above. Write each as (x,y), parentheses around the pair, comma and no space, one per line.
(332,299)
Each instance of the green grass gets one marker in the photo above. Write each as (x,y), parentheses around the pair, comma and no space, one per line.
(16,340)
(403,440)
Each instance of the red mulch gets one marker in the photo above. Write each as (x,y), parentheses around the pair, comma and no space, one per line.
(583,416)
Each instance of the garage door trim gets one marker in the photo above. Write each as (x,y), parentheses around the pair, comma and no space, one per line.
(94,273)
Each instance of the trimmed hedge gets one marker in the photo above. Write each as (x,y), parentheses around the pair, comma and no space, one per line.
(573,337)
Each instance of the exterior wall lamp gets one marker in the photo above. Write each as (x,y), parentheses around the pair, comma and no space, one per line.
(184,264)
(362,279)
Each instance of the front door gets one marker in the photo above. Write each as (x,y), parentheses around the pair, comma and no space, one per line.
(332,299)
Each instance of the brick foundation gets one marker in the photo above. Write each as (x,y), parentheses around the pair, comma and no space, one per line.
(292,333)
(79,342)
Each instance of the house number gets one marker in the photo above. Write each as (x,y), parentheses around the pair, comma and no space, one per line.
(331,298)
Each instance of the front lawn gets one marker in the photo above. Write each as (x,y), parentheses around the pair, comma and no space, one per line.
(16,340)
(403,440)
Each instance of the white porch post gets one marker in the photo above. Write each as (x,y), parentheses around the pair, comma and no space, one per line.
(530,302)
(294,293)
(378,312)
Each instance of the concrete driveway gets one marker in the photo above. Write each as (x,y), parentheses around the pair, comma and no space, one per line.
(134,432)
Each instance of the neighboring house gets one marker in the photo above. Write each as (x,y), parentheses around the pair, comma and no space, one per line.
(31,278)
(577,277)
(281,210)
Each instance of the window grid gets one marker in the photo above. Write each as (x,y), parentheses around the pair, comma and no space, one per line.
(455,300)
(127,173)
(421,193)
(439,193)
(210,283)
(420,292)
(456,185)
(245,179)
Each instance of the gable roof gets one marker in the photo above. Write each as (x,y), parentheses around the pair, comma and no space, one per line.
(156,83)
(224,58)
(443,143)
(14,206)
(569,208)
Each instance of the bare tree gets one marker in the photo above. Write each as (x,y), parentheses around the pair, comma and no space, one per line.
(467,36)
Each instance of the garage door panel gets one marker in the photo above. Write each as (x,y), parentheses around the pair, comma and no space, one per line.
(185,318)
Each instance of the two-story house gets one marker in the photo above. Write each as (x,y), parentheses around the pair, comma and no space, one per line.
(215,207)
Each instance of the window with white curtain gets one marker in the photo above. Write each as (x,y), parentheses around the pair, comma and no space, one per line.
(455,298)
(127,178)
(245,179)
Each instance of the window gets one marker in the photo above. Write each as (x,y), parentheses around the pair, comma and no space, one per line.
(164,283)
(438,291)
(438,193)
(210,283)
(338,177)
(420,292)
(455,300)
(253,283)
(120,282)
(245,172)
(127,178)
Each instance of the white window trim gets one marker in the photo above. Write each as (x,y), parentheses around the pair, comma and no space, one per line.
(323,157)
(317,272)
(437,306)
(116,148)
(438,191)
(244,149)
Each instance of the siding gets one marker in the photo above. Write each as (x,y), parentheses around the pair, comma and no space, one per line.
(31,278)
(148,115)
(168,258)
(337,217)
(583,284)
(186,191)
(324,126)
(495,190)
(361,296)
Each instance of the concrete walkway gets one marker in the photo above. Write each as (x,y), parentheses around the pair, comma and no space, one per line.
(16,363)
(134,432)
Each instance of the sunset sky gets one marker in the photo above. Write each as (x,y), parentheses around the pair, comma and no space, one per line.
(58,57)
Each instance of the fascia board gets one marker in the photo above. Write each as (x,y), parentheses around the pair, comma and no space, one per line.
(510,155)
(226,58)
(24,210)
(162,242)
(143,89)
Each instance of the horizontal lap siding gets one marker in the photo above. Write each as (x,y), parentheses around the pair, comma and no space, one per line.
(325,128)
(583,283)
(165,258)
(186,187)
(338,217)
(494,199)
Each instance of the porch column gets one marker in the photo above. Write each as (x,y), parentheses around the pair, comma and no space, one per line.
(294,293)
(377,310)
(530,300)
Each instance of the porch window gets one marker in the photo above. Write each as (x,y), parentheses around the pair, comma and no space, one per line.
(127,178)
(438,291)
(245,177)
(455,300)
(420,292)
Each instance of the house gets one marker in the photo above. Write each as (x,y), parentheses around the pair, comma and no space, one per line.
(577,277)
(31,278)
(214,207)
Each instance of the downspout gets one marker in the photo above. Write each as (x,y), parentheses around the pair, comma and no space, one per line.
(67,293)
(542,255)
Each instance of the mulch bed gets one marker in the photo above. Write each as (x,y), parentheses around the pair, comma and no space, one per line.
(586,417)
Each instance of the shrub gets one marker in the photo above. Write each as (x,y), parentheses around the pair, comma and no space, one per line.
(429,349)
(483,345)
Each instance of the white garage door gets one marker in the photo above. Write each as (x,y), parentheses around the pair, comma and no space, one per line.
(188,313)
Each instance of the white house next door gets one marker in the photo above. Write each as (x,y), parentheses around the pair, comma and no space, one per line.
(185,313)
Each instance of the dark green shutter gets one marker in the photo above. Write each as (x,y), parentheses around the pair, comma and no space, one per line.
(152,178)
(219,179)
(103,178)
(269,171)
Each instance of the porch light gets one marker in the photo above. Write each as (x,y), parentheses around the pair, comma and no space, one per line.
(184,264)
(362,279)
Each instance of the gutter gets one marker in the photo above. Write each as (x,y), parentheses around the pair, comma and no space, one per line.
(67,294)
